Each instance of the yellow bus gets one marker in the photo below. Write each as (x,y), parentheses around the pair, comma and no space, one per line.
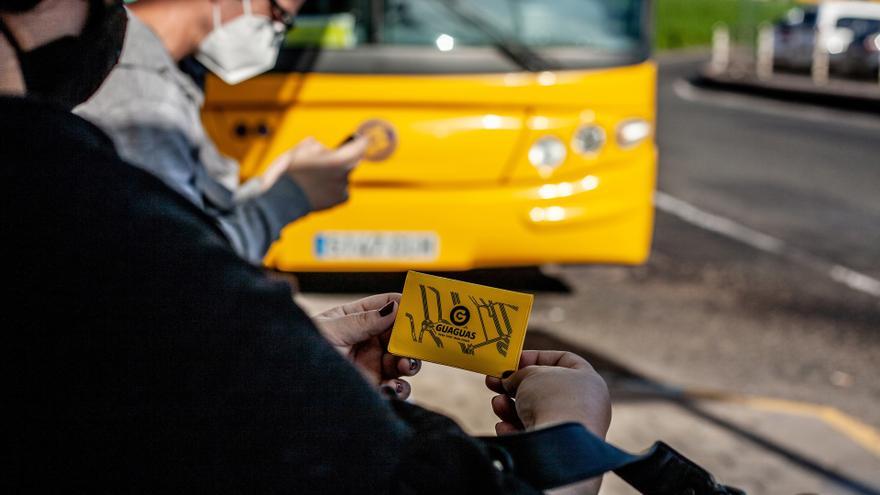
(526,131)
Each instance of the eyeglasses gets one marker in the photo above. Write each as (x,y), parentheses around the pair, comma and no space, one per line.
(281,15)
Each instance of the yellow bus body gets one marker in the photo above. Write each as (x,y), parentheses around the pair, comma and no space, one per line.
(462,172)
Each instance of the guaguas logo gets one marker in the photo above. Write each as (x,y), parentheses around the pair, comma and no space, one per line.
(492,327)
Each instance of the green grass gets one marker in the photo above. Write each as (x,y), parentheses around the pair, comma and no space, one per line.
(687,23)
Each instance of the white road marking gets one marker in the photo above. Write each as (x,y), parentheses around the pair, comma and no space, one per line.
(764,242)
(765,106)
(717,224)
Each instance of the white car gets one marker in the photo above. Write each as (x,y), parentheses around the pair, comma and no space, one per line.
(862,55)
(832,27)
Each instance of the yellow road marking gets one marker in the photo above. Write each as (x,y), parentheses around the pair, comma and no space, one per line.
(859,432)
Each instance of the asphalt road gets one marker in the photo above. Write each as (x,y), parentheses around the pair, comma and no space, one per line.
(807,175)
(709,311)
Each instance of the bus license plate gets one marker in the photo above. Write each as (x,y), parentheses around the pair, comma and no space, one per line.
(377,246)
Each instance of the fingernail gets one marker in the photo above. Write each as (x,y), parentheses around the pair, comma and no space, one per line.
(399,388)
(387,309)
(413,364)
(506,374)
(348,140)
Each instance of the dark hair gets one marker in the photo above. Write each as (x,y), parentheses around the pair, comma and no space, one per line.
(17,5)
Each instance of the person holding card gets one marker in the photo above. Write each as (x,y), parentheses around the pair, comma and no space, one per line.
(143,355)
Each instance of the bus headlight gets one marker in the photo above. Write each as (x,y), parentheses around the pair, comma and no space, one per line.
(632,132)
(589,139)
(547,153)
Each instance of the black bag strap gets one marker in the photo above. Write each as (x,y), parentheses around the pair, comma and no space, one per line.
(568,453)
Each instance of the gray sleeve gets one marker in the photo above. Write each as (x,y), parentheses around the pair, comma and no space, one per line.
(145,135)
(150,137)
(252,226)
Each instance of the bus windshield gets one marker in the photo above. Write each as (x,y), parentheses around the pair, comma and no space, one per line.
(531,35)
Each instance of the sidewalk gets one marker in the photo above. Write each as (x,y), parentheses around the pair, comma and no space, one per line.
(715,435)
(762,446)
(760,451)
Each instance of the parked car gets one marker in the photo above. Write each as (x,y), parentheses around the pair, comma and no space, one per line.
(862,56)
(795,39)
(844,30)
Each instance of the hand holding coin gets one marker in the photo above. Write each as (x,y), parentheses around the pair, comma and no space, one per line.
(381,144)
(382,138)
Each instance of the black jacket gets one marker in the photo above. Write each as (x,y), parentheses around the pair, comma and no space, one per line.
(141,355)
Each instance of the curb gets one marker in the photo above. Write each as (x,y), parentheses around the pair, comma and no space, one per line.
(863,97)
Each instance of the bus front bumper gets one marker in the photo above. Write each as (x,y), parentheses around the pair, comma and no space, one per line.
(602,217)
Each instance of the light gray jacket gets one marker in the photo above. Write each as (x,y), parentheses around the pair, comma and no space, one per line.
(151,110)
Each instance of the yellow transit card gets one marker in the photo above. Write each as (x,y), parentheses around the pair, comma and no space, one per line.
(460,324)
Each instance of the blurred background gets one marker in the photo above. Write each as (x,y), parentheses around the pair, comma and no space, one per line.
(691,189)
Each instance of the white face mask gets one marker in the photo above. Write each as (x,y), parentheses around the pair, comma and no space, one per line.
(243,48)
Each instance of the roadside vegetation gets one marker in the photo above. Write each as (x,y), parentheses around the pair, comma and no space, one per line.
(688,23)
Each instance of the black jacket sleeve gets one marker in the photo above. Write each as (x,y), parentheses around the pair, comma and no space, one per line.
(144,356)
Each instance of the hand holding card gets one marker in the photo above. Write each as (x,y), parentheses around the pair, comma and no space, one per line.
(460,324)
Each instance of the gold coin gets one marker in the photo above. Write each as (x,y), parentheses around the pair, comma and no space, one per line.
(382,138)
